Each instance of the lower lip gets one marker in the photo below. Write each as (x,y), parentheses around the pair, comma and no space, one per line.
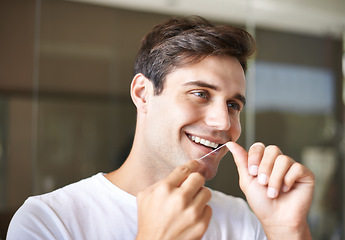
(213,151)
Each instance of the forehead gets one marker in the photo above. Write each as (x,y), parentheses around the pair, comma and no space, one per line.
(220,73)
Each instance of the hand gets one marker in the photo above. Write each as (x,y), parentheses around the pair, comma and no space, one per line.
(175,207)
(278,189)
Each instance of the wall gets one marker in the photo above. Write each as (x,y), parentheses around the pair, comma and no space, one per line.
(65,71)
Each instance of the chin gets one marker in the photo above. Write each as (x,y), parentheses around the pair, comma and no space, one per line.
(208,173)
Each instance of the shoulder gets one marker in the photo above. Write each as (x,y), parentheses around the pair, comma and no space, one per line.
(35,214)
(74,192)
(89,207)
(46,212)
(82,185)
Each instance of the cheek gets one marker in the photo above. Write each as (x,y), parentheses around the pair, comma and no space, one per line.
(185,110)
(235,130)
(175,116)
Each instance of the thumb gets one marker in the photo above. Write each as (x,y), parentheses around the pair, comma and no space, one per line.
(180,173)
(240,156)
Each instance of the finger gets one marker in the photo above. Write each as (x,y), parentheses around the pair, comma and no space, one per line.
(192,185)
(180,173)
(255,155)
(240,156)
(241,160)
(297,173)
(266,165)
(199,214)
(205,217)
(203,221)
(202,197)
(276,179)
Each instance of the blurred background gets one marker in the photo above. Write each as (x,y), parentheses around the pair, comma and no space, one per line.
(66,113)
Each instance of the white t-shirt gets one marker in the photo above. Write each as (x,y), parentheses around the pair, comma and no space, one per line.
(94,208)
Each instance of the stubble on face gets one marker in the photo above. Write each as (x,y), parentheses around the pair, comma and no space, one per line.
(175,112)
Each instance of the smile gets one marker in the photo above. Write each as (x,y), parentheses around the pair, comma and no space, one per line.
(202,141)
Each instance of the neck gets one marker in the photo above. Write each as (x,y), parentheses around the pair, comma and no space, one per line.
(137,173)
(141,169)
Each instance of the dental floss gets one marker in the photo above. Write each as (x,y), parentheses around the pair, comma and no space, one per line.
(212,151)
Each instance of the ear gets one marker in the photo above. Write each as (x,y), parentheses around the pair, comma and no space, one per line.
(141,89)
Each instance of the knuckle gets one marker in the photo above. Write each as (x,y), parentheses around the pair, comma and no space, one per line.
(201,228)
(163,188)
(275,181)
(193,214)
(198,178)
(183,169)
(179,200)
(288,180)
(164,185)
(284,160)
(207,193)
(182,197)
(208,209)
(298,167)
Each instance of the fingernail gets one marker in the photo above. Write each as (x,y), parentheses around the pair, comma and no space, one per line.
(258,144)
(285,188)
(253,170)
(262,179)
(272,192)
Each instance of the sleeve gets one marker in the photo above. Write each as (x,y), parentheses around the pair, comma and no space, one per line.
(36,220)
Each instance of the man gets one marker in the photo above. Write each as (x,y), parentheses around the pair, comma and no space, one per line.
(189,90)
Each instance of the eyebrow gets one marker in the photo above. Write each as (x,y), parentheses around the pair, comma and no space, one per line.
(198,83)
(201,84)
(241,98)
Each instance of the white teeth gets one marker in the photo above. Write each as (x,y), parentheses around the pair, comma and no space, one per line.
(204,142)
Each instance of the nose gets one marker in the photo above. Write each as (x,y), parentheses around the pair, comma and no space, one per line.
(217,116)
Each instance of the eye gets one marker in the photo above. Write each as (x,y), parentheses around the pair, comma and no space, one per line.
(234,106)
(201,94)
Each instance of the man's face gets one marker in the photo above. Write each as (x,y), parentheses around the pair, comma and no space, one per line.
(198,110)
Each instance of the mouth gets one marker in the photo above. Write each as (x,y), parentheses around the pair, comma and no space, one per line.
(203,142)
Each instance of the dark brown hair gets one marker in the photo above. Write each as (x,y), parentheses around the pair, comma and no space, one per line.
(182,41)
